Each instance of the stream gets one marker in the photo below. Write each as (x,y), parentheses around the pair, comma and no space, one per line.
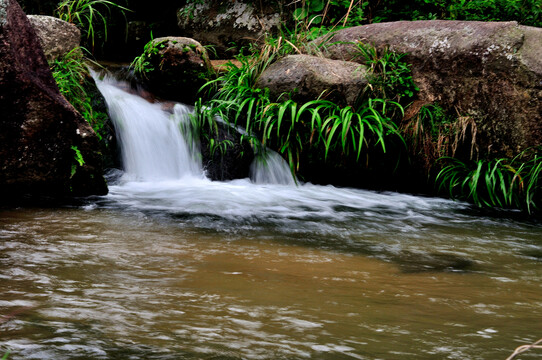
(171,265)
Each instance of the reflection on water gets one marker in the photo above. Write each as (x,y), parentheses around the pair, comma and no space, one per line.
(204,270)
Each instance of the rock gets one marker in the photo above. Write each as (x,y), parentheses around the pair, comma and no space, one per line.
(490,71)
(309,77)
(229,25)
(107,143)
(178,67)
(41,134)
(230,160)
(57,37)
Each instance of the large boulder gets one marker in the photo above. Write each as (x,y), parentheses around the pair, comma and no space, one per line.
(176,68)
(308,77)
(57,37)
(228,25)
(491,72)
(46,147)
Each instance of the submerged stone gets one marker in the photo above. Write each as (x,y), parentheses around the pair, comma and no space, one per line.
(410,262)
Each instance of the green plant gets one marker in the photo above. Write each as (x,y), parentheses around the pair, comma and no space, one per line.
(73,79)
(390,76)
(504,183)
(333,13)
(85,13)
(142,64)
(288,126)
(526,12)
(78,158)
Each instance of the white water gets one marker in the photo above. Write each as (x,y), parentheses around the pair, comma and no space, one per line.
(152,145)
(163,174)
(270,168)
(158,146)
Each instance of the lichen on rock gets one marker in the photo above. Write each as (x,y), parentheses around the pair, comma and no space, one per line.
(491,71)
(224,23)
(57,37)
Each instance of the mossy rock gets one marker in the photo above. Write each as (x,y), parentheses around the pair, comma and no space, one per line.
(176,68)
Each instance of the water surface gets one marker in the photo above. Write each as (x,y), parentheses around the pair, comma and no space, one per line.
(171,265)
(205,270)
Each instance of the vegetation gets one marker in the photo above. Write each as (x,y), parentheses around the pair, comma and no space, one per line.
(142,64)
(504,183)
(73,79)
(526,12)
(78,160)
(290,127)
(85,13)
(341,13)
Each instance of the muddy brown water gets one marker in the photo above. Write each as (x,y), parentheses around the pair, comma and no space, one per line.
(397,277)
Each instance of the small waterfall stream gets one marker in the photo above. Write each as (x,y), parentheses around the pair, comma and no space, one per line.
(157,145)
(152,145)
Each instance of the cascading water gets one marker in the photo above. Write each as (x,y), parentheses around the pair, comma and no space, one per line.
(270,168)
(152,144)
(157,145)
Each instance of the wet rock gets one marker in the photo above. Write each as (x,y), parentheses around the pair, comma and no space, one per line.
(177,68)
(46,147)
(107,138)
(309,77)
(229,158)
(491,72)
(229,25)
(57,37)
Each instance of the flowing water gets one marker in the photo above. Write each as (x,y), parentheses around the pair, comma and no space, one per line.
(171,265)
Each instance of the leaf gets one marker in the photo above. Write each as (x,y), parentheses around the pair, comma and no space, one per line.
(300,13)
(317,5)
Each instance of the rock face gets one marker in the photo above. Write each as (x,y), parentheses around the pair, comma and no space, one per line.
(179,67)
(57,37)
(42,137)
(309,77)
(231,160)
(228,24)
(491,72)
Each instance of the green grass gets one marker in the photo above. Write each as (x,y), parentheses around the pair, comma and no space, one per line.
(504,183)
(290,127)
(86,14)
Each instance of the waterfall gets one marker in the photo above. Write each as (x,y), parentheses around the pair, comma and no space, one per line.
(153,147)
(269,167)
(158,145)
